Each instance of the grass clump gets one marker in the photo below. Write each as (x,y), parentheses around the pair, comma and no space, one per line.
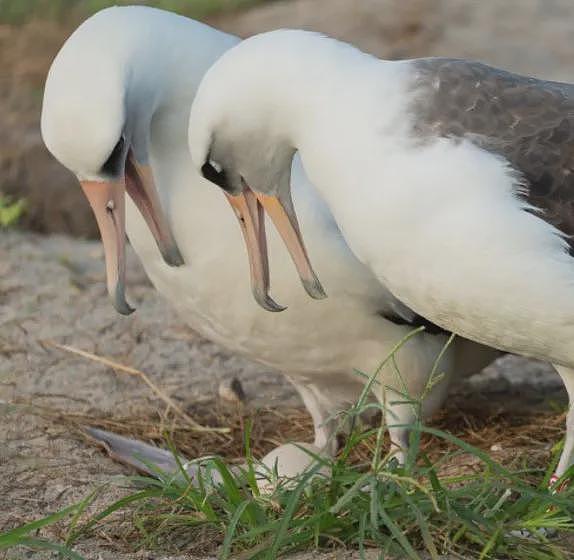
(411,511)
(10,211)
(402,511)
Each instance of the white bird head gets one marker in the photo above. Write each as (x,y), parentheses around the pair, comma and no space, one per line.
(101,94)
(241,139)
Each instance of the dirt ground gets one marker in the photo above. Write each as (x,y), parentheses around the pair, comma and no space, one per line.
(52,287)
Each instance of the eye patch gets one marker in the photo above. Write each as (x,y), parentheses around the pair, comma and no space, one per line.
(215,174)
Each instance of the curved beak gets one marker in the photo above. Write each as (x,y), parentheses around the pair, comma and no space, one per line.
(107,200)
(251,219)
(141,188)
(108,203)
(283,216)
(249,208)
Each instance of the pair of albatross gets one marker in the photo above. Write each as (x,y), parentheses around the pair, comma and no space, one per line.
(115,113)
(451,181)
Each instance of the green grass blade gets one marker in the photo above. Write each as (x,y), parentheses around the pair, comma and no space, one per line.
(176,458)
(351,493)
(119,504)
(42,544)
(233,493)
(489,546)
(423,525)
(250,474)
(14,536)
(398,535)
(290,510)
(82,506)
(230,532)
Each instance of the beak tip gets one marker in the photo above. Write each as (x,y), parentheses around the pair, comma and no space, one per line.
(172,257)
(267,302)
(314,288)
(124,308)
(119,301)
(126,311)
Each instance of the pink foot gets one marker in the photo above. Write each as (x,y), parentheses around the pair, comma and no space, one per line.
(552,483)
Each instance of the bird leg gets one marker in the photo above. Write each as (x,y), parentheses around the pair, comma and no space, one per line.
(326,400)
(323,413)
(398,415)
(567,456)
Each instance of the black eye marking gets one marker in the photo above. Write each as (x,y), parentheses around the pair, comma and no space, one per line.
(213,172)
(113,165)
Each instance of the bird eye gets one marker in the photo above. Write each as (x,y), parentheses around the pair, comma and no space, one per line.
(113,165)
(215,165)
(214,172)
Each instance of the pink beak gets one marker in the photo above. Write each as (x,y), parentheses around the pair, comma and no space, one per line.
(107,200)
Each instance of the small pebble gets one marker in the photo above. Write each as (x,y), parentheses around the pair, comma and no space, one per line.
(231,390)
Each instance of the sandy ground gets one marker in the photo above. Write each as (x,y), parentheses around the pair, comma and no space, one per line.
(52,288)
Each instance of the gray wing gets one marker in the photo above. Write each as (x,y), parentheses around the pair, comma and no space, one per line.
(528,121)
(152,460)
(137,454)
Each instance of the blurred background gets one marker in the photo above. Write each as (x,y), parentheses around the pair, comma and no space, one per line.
(528,36)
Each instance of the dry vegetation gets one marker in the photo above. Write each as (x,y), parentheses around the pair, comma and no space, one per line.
(512,439)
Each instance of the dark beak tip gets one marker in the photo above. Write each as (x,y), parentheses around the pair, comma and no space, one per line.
(314,289)
(124,309)
(267,302)
(120,303)
(172,257)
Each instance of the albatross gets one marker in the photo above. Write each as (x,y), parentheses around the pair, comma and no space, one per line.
(115,113)
(451,181)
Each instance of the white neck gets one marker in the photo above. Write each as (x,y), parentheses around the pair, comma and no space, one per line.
(343,110)
(164,70)
(345,115)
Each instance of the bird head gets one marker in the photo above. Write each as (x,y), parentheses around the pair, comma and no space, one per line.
(239,140)
(95,120)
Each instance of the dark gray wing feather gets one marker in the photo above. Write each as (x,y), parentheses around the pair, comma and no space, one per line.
(137,454)
(528,121)
(152,460)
